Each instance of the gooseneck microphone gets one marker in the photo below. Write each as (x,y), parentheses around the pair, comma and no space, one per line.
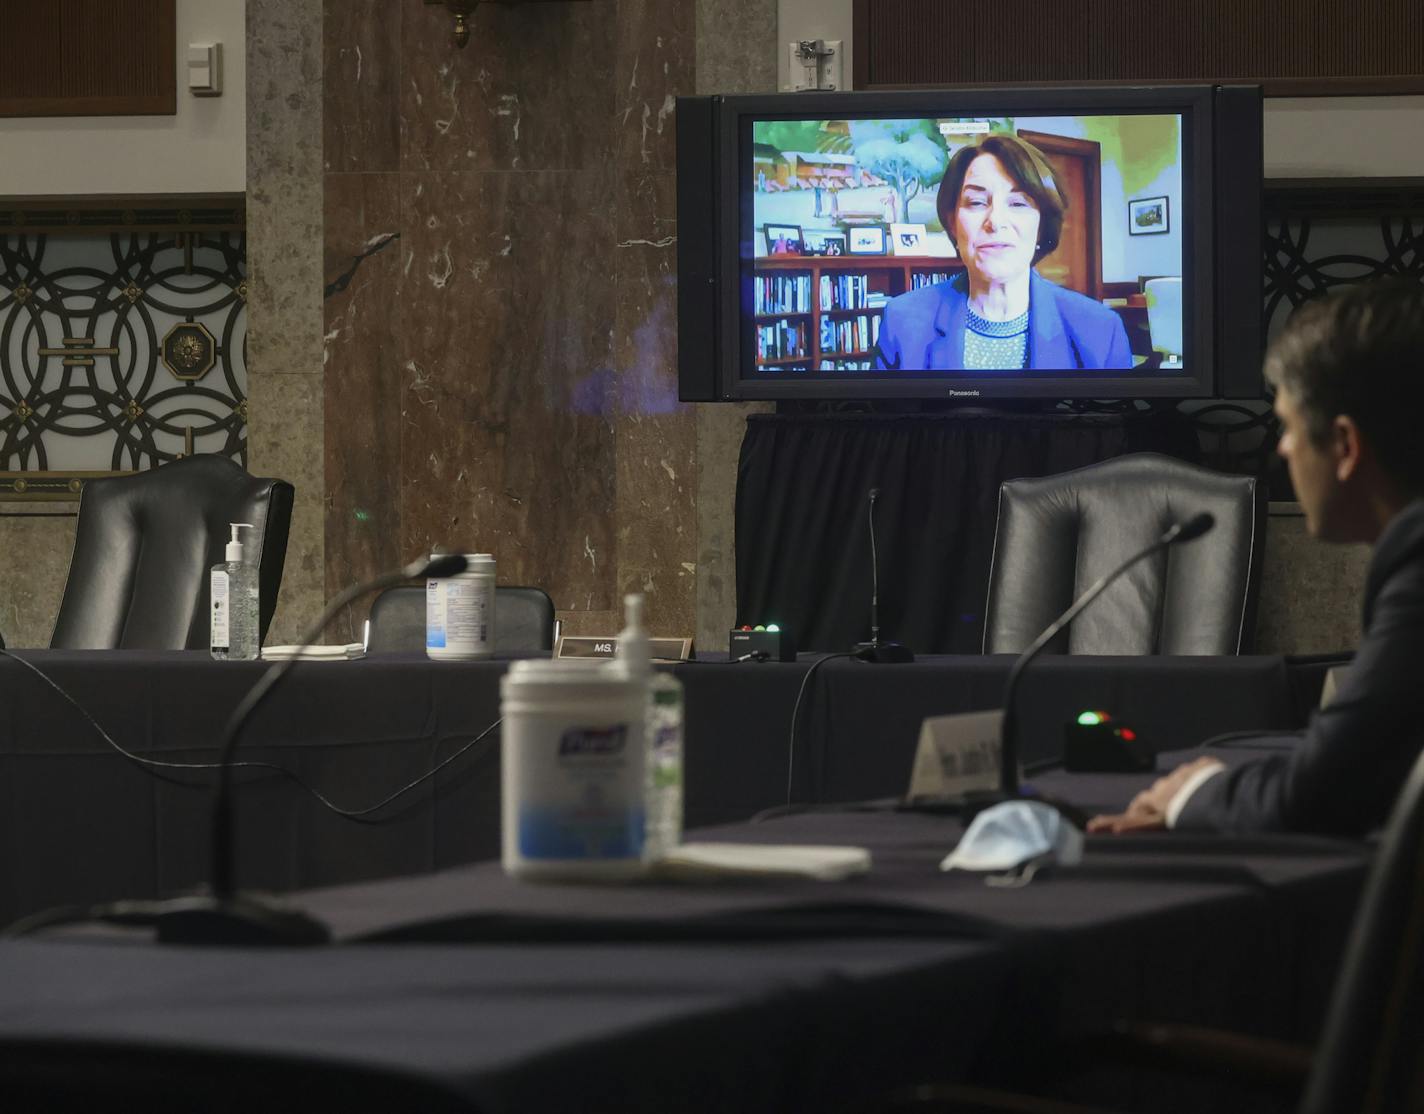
(1192,528)
(875,649)
(226,916)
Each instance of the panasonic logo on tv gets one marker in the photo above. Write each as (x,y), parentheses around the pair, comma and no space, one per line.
(962,394)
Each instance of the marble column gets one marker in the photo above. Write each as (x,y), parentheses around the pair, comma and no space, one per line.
(284,246)
(736,53)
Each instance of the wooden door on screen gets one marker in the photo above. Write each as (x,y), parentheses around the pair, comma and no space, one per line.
(1077,261)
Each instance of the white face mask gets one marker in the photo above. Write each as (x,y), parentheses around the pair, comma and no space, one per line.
(1017,836)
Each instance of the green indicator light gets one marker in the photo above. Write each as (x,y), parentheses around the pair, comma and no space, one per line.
(759,627)
(1088,719)
(363,516)
(772,627)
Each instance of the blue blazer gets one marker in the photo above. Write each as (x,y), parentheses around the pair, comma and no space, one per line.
(923,330)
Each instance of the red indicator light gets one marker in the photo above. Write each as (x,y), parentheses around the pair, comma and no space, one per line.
(1127,733)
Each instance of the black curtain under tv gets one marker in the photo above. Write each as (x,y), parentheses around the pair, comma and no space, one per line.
(803,548)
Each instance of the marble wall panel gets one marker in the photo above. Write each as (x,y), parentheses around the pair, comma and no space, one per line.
(35,546)
(533,90)
(1311,592)
(508,426)
(655,64)
(657,435)
(362,68)
(363,385)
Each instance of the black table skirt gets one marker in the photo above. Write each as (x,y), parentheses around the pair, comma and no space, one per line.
(755,997)
(80,823)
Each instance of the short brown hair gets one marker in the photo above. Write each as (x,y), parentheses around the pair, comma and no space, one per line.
(1031,172)
(1360,352)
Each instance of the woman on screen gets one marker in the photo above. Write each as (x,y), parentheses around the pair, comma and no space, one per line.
(1003,209)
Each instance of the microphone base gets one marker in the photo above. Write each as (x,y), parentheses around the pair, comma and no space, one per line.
(243,920)
(886,653)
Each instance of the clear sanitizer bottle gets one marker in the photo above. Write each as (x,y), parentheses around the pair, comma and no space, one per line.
(233,595)
(663,735)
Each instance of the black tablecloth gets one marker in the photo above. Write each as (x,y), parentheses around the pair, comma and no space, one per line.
(711,998)
(80,823)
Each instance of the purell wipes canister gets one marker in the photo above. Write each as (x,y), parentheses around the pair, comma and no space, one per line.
(573,785)
(459,612)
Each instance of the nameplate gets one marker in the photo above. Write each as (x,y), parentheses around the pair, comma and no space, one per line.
(586,646)
(957,755)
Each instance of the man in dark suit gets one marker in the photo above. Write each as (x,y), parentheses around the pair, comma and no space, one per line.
(1349,377)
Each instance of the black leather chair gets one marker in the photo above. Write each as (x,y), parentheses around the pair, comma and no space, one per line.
(138,579)
(523,620)
(1057,534)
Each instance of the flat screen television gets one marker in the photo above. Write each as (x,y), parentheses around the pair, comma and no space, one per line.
(1051,242)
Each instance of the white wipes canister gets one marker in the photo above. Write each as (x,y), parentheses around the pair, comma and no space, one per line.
(459,612)
(573,790)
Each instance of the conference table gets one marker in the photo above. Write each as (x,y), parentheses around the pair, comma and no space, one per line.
(466,990)
(79,822)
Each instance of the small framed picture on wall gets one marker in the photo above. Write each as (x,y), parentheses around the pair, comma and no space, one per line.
(1147,216)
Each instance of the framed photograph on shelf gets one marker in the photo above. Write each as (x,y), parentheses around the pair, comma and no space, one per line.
(867,239)
(824,243)
(1147,216)
(907,239)
(783,239)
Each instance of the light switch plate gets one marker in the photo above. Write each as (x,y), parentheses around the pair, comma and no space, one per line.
(205,69)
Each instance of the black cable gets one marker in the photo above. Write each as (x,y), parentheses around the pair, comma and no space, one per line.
(152,765)
(796,710)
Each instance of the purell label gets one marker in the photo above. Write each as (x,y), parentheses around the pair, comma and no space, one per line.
(434,615)
(593,742)
(217,590)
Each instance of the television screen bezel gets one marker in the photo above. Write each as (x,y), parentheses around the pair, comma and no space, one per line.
(1195,102)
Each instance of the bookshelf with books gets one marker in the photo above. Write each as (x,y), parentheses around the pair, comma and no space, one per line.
(823,312)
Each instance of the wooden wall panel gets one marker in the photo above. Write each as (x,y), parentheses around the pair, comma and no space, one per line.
(88,58)
(1293,47)
(30,63)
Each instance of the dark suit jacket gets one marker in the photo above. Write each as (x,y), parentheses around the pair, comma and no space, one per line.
(1344,776)
(923,330)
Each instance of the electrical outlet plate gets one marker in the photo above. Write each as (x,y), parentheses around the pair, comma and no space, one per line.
(824,73)
(832,70)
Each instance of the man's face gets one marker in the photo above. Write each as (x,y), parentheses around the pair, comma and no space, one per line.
(1312,471)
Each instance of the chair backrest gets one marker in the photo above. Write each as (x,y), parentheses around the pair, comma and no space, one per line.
(138,579)
(523,620)
(1370,1058)
(1057,534)
(1164,314)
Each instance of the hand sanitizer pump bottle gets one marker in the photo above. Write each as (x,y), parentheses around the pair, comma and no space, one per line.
(233,595)
(663,734)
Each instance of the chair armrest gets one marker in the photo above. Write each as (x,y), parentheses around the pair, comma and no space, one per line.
(1193,1046)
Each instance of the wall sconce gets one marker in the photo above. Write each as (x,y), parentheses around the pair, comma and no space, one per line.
(461,10)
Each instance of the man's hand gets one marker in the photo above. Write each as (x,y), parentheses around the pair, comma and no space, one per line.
(1148,810)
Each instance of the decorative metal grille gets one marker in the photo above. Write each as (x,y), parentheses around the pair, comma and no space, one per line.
(118,352)
(1320,235)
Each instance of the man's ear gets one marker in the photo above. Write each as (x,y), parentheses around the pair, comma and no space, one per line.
(1346,447)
